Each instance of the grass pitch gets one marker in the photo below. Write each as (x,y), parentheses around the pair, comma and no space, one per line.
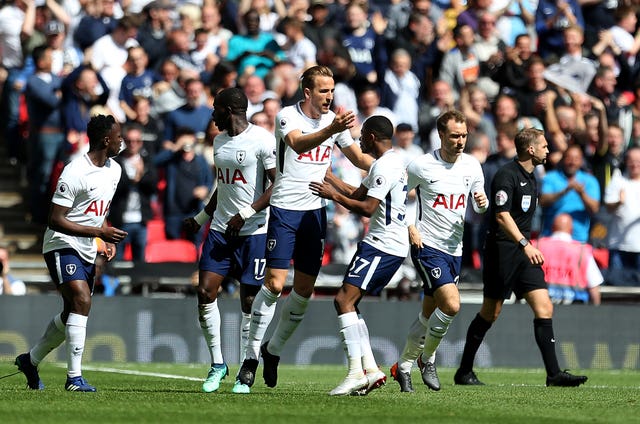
(171,393)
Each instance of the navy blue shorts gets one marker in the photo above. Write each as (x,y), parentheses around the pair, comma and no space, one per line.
(371,269)
(239,257)
(297,235)
(435,268)
(66,265)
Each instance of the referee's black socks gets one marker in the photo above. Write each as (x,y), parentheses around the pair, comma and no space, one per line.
(475,334)
(543,329)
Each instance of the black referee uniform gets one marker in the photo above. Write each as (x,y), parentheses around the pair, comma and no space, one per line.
(506,267)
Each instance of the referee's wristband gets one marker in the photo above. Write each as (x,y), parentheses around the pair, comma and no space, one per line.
(201,217)
(246,212)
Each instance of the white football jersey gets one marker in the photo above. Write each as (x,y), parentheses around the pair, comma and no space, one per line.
(295,171)
(87,190)
(241,163)
(387,182)
(444,190)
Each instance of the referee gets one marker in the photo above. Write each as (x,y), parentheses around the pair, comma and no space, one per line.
(513,264)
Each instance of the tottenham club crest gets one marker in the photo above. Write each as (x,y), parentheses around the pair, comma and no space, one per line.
(436,272)
(70,268)
(466,180)
(271,244)
(241,155)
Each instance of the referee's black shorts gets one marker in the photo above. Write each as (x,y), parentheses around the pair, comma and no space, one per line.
(507,269)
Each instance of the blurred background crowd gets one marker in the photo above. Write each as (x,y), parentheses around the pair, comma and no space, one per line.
(569,67)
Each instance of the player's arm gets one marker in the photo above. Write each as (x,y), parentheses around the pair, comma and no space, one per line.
(59,222)
(301,143)
(508,225)
(341,186)
(357,202)
(359,159)
(237,221)
(193,223)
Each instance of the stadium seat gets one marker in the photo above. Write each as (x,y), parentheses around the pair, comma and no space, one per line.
(171,251)
(155,231)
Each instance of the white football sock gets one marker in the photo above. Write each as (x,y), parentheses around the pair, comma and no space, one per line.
(414,344)
(368,360)
(52,338)
(351,338)
(76,333)
(292,314)
(209,317)
(262,310)
(245,323)
(437,327)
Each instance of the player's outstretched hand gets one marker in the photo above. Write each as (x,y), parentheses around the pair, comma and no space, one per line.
(113,234)
(234,225)
(190,225)
(322,189)
(343,120)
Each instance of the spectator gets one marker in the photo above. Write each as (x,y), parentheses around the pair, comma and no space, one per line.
(9,285)
(608,159)
(285,82)
(194,115)
(598,17)
(622,199)
(441,100)
(255,91)
(512,74)
(322,31)
(491,53)
(399,14)
(368,99)
(46,130)
(82,89)
(217,35)
(365,42)
(138,82)
(189,181)
(152,34)
(64,56)
(531,96)
(460,66)
(401,88)
(201,54)
(506,152)
(471,15)
(131,205)
(179,50)
(474,104)
(300,51)
(425,45)
(256,51)
(569,267)
(100,20)
(224,76)
(552,18)
(269,12)
(570,190)
(604,88)
(152,129)
(625,34)
(515,18)
(16,26)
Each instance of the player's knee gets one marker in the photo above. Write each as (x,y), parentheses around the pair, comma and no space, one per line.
(81,304)
(451,308)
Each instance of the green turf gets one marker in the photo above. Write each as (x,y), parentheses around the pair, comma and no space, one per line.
(510,396)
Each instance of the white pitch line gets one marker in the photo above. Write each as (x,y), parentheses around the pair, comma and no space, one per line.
(142,373)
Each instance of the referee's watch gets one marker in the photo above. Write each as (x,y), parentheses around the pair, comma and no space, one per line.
(523,243)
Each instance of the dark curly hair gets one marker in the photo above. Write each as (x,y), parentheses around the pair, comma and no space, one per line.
(98,128)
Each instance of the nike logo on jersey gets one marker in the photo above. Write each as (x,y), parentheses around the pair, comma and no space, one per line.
(353,275)
(92,188)
(433,181)
(522,184)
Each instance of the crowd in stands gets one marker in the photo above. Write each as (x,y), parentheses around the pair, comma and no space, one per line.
(568,67)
